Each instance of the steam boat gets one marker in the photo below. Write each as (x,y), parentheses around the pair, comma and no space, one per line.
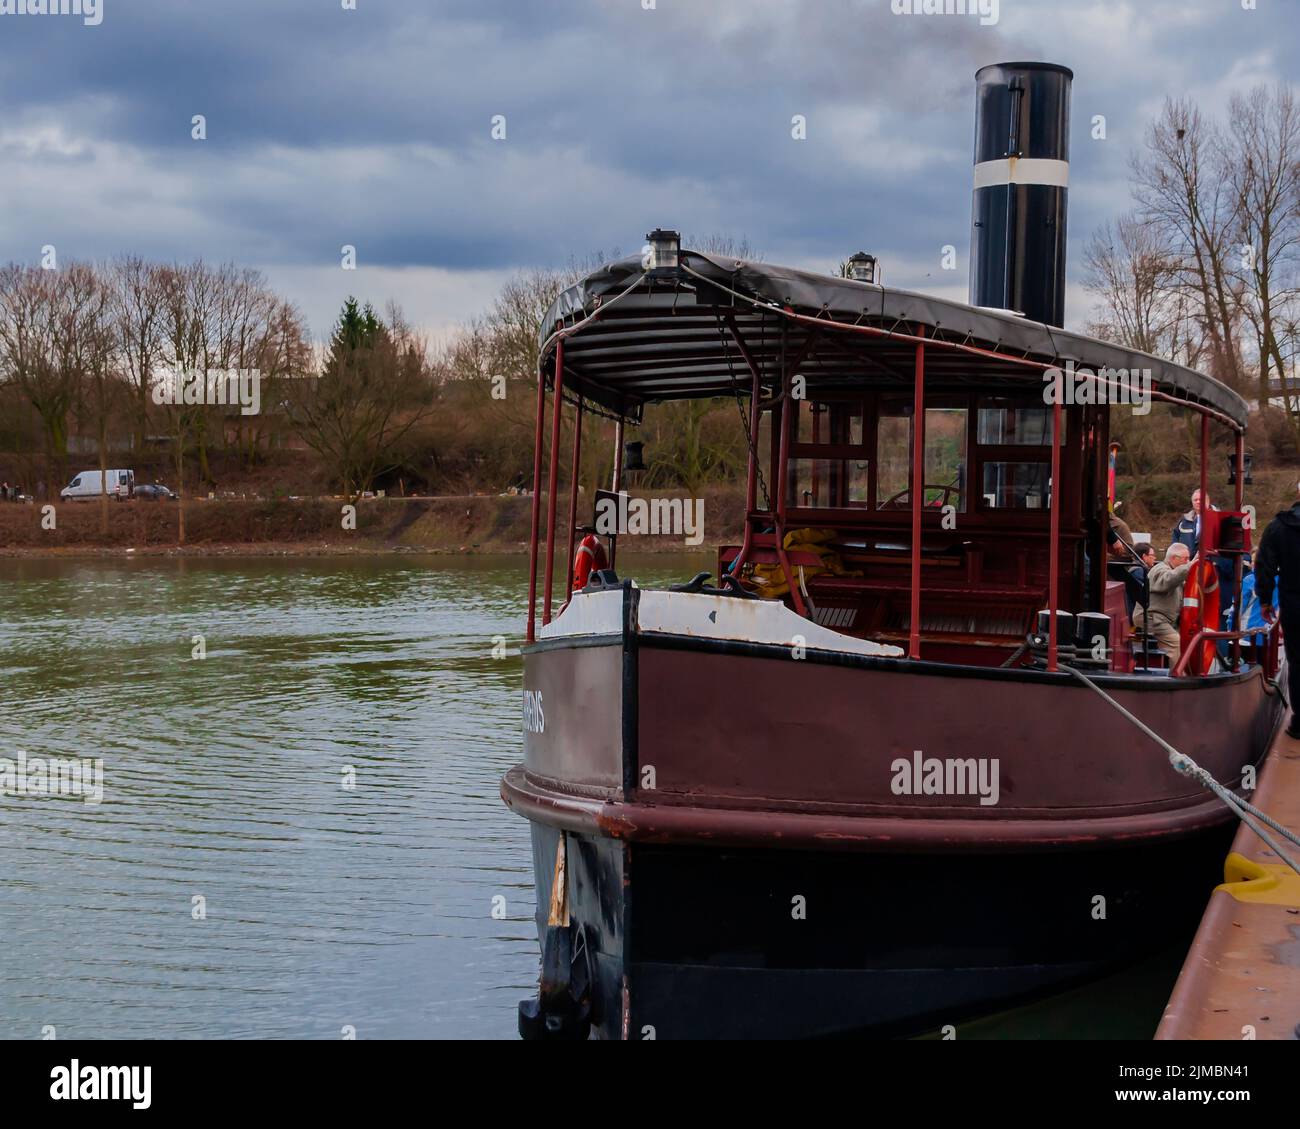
(856,783)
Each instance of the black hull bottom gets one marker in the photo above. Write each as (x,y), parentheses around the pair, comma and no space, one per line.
(710,943)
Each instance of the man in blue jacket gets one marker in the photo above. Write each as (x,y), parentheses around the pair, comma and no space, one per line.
(1188,532)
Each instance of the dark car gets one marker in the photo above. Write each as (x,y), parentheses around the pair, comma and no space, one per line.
(153,492)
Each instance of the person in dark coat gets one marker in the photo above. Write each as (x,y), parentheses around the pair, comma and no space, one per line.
(1278,563)
(1136,593)
(1188,532)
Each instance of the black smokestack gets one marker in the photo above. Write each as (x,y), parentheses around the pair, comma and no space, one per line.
(1022,153)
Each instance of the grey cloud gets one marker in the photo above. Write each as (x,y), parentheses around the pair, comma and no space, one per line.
(372,127)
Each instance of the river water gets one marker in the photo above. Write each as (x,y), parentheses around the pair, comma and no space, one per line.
(231,883)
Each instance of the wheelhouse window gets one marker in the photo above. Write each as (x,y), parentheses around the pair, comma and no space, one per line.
(831,483)
(1014,439)
(983,452)
(945,457)
(830,466)
(1009,423)
(831,423)
(893,456)
(1017,485)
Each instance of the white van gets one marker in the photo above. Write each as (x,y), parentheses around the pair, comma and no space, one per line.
(86,485)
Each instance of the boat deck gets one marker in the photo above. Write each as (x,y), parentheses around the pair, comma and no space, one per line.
(1241,978)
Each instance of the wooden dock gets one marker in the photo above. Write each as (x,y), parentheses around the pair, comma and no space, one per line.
(1241,979)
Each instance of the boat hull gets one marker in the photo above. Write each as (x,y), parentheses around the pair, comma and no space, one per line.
(740,859)
(768,943)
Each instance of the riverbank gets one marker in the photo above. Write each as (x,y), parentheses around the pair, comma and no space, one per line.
(458,524)
(479,524)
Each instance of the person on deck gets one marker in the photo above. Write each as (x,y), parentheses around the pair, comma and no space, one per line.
(1137,594)
(1160,616)
(1188,532)
(1277,564)
(1252,617)
(1119,531)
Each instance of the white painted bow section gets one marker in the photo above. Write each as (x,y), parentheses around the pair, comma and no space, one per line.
(588,613)
(706,617)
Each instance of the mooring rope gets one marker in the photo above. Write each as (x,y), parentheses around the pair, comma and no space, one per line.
(1184,764)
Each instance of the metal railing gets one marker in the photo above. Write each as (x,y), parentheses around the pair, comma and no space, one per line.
(1269,658)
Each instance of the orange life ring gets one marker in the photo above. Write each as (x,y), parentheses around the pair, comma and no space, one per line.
(589,558)
(1200,606)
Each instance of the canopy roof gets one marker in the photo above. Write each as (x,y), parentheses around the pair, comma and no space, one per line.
(630,339)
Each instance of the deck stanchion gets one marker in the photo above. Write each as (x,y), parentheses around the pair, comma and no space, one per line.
(615,483)
(1239,499)
(918,490)
(789,418)
(816,438)
(751,476)
(1205,508)
(537,494)
(573,496)
(553,478)
(1054,549)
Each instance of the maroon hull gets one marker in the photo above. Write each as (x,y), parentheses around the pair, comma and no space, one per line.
(695,799)
(1062,753)
(708,724)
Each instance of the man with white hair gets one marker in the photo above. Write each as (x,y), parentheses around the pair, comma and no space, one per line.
(1188,532)
(1278,563)
(1165,584)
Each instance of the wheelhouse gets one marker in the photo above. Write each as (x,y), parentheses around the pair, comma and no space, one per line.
(921,473)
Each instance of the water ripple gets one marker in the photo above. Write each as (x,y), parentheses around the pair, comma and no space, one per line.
(223,779)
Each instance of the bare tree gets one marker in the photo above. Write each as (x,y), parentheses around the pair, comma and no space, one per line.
(1183,186)
(185,312)
(34,353)
(86,342)
(1264,131)
(138,289)
(1135,277)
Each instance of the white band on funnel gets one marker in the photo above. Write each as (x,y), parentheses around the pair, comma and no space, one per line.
(1022,170)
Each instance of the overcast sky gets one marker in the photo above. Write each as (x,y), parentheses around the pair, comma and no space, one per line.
(373,127)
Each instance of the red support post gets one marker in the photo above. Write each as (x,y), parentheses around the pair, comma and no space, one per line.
(537,496)
(553,478)
(817,438)
(918,491)
(789,419)
(1240,498)
(1054,549)
(573,496)
(616,482)
(1205,508)
(751,475)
